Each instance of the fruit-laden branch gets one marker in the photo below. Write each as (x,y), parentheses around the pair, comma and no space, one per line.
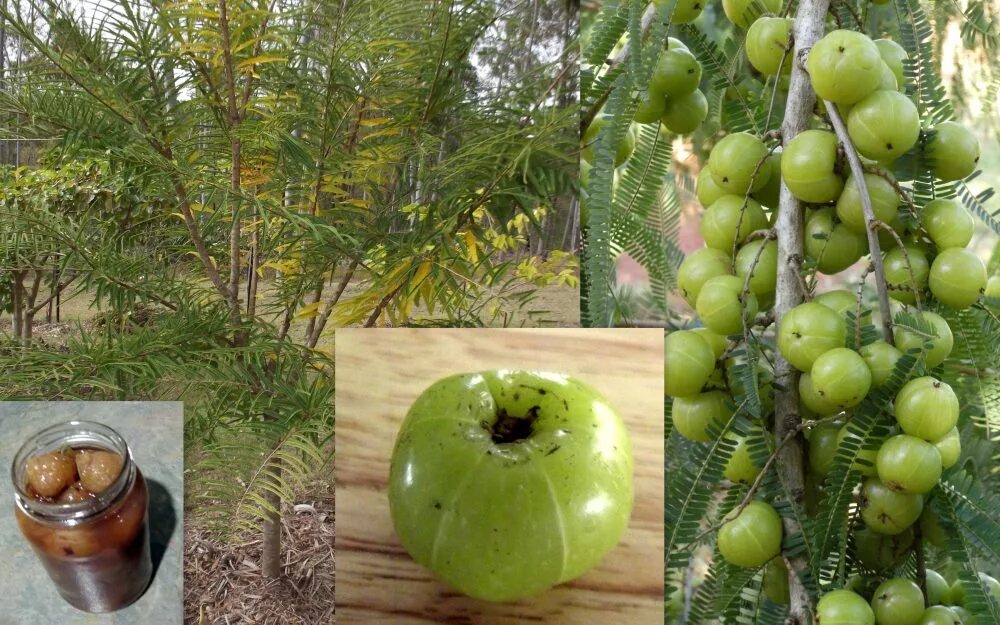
(808,28)
(858,172)
(615,61)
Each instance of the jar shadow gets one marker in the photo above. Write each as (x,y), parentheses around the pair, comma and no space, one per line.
(162,522)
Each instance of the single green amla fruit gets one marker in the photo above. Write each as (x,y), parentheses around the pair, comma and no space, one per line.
(682,11)
(734,160)
(688,361)
(844,67)
(546,446)
(884,125)
(809,167)
(948,223)
(883,197)
(843,607)
(893,55)
(744,12)
(683,114)
(752,538)
(953,151)
(766,43)
(957,277)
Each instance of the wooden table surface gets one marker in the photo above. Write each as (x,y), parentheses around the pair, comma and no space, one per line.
(381,372)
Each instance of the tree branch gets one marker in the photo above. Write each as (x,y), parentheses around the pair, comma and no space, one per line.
(874,250)
(807,29)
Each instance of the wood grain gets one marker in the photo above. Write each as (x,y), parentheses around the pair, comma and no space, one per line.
(381,372)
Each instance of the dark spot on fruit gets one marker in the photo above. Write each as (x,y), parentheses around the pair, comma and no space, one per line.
(565,405)
(888,146)
(437,505)
(841,48)
(517,396)
(542,391)
(68,551)
(691,71)
(552,451)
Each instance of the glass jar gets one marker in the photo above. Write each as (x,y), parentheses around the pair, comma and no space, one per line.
(96,550)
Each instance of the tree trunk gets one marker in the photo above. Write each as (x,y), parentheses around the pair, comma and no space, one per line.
(17,299)
(270,559)
(807,30)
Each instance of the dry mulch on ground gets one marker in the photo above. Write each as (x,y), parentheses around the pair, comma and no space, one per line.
(223,585)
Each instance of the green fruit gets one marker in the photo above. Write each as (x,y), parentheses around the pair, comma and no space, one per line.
(683,114)
(766,42)
(652,104)
(950,448)
(765,274)
(888,80)
(808,331)
(953,151)
(898,601)
(677,72)
(930,528)
(993,287)
(740,467)
(926,408)
(887,512)
(947,223)
(880,552)
(843,607)
(682,11)
(864,461)
(548,446)
(883,198)
(753,537)
(833,246)
(939,615)
(881,359)
(905,279)
(893,55)
(839,300)
(775,582)
(957,277)
(692,416)
(720,222)
(956,594)
(734,160)
(841,377)
(770,194)
(884,125)
(717,342)
(699,267)
(939,347)
(812,400)
(744,12)
(938,591)
(688,361)
(622,152)
(808,167)
(706,189)
(908,464)
(844,67)
(823,445)
(720,308)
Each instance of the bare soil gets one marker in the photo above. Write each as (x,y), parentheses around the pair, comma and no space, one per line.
(223,583)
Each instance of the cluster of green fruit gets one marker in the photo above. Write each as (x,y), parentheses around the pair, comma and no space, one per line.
(899,601)
(672,99)
(734,277)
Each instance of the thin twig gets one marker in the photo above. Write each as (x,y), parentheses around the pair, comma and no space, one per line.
(874,249)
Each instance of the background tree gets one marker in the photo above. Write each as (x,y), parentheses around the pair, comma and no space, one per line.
(291,167)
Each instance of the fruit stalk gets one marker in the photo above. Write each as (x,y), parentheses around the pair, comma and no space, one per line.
(807,29)
(881,285)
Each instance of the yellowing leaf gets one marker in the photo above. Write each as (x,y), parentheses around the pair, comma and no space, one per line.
(375,121)
(260,60)
(472,244)
(308,312)
(422,271)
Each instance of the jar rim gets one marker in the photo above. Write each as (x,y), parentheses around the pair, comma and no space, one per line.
(70,433)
